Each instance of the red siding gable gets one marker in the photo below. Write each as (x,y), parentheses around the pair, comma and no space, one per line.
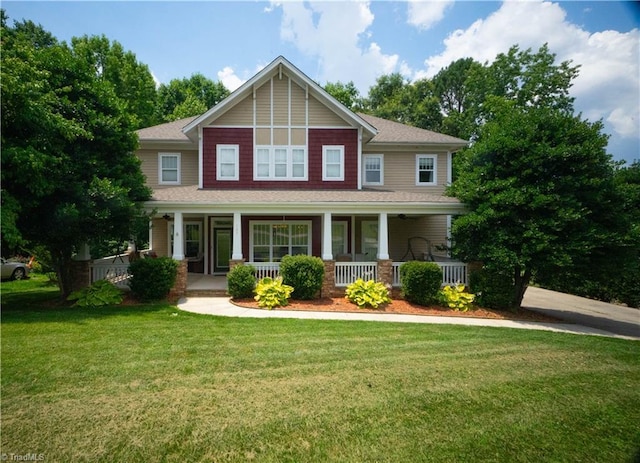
(243,137)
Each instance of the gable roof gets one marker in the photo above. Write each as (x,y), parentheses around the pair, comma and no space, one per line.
(280,64)
(169,131)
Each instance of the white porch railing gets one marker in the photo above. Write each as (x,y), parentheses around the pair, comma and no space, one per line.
(348,272)
(266,269)
(453,273)
(113,269)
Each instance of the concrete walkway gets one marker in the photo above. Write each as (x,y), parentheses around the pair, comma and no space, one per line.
(221,306)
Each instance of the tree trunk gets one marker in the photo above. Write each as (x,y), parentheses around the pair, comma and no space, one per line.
(65,277)
(522,279)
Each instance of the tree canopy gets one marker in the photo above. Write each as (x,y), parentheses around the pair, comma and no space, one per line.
(186,97)
(69,173)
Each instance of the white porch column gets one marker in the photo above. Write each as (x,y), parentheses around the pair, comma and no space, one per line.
(327,240)
(383,237)
(178,240)
(237,237)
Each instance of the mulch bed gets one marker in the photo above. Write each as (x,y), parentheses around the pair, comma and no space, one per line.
(400,306)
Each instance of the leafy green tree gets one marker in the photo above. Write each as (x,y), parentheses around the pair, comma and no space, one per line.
(540,190)
(187,97)
(452,93)
(132,81)
(69,175)
(347,94)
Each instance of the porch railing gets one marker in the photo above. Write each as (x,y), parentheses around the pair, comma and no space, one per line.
(266,269)
(348,272)
(453,273)
(113,268)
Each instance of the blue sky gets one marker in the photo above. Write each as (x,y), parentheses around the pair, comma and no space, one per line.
(359,41)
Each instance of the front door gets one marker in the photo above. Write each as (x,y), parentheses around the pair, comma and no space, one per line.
(221,249)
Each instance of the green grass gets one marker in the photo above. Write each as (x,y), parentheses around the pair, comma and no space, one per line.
(152,383)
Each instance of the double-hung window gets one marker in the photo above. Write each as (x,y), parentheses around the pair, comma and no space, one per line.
(333,162)
(373,169)
(271,241)
(426,168)
(227,157)
(280,163)
(169,168)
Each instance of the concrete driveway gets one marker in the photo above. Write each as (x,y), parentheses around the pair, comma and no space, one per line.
(573,309)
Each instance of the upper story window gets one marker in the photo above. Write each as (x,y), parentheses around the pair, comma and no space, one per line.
(169,168)
(333,162)
(426,165)
(280,163)
(373,169)
(227,158)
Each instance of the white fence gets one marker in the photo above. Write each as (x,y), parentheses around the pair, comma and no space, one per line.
(453,273)
(113,268)
(348,272)
(266,269)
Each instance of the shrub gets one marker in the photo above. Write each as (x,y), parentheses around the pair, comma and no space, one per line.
(494,289)
(241,281)
(272,292)
(368,293)
(101,292)
(421,282)
(456,298)
(152,279)
(304,273)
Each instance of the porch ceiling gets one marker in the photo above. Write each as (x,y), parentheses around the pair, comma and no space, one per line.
(191,198)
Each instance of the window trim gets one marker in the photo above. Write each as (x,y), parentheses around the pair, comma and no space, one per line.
(435,169)
(364,169)
(325,164)
(236,162)
(272,163)
(178,169)
(253,223)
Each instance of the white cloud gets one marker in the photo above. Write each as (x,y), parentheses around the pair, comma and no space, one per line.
(424,14)
(337,35)
(229,78)
(156,80)
(608,86)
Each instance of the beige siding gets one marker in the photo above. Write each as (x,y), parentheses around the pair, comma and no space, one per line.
(280,101)
(240,115)
(263,104)
(160,236)
(321,116)
(188,166)
(298,137)
(431,228)
(400,170)
(281,136)
(263,136)
(298,105)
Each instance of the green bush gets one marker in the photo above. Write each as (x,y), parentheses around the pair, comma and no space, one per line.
(456,298)
(494,289)
(241,281)
(152,279)
(304,273)
(272,292)
(368,293)
(101,292)
(421,282)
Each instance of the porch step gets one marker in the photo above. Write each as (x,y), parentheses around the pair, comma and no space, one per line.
(206,293)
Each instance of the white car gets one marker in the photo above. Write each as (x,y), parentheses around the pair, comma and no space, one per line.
(14,270)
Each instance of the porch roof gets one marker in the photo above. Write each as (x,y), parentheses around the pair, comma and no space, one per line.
(191,197)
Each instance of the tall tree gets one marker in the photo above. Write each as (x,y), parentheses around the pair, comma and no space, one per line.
(131,80)
(347,94)
(539,186)
(538,180)
(187,97)
(69,175)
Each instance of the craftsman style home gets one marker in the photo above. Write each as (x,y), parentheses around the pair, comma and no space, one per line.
(281,167)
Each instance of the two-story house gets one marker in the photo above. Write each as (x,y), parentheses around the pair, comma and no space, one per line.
(281,167)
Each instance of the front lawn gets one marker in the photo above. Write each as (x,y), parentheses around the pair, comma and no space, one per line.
(152,383)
